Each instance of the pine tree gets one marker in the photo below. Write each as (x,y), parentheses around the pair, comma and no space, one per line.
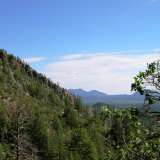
(82,144)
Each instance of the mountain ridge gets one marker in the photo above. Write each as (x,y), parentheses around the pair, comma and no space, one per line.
(121,99)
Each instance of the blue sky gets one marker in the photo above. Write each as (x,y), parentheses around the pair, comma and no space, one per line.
(46,31)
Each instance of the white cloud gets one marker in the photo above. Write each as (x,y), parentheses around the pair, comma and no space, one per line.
(34,59)
(108,72)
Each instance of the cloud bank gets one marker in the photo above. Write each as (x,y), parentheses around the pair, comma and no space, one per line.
(108,72)
(34,59)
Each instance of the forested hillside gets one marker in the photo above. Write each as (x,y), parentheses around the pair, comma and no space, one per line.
(39,120)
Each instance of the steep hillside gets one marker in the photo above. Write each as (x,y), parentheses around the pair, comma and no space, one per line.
(29,99)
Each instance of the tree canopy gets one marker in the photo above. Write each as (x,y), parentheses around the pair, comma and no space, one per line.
(148,82)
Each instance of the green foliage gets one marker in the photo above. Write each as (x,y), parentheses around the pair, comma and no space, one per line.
(127,138)
(83,145)
(4,151)
(71,117)
(148,82)
(3,123)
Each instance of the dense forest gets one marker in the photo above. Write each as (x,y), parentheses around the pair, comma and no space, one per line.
(39,120)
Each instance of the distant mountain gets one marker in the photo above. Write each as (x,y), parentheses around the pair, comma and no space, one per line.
(81,92)
(94,96)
